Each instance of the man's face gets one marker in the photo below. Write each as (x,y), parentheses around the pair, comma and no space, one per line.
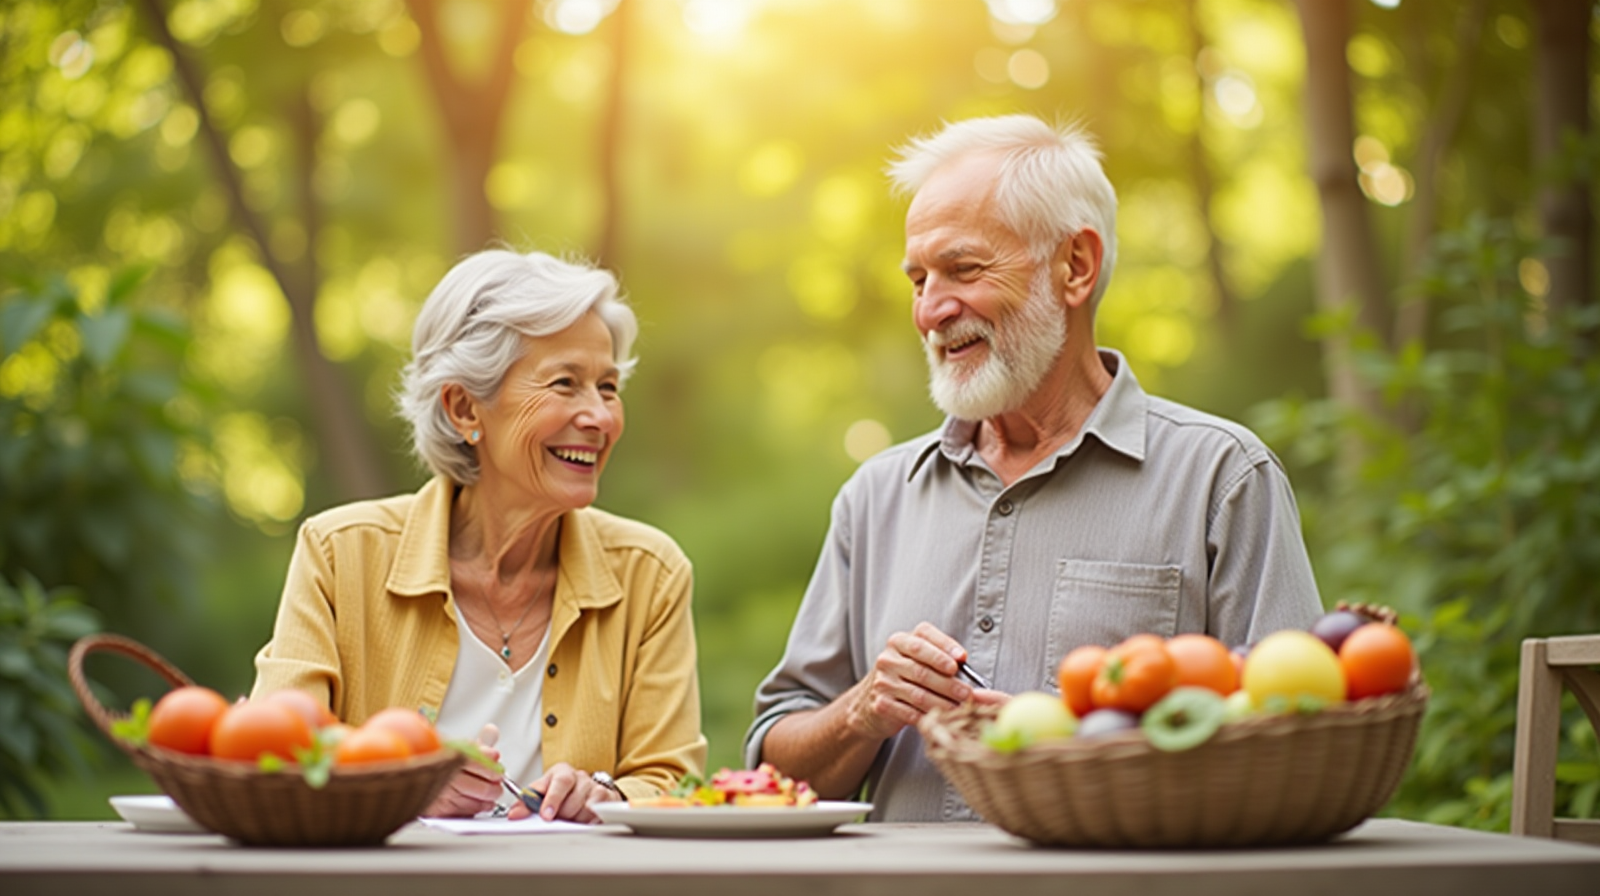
(986,310)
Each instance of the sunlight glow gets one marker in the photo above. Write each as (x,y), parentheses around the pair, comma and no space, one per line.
(1028,69)
(577,16)
(1380,180)
(772,168)
(1022,12)
(72,55)
(865,438)
(823,286)
(717,18)
(1235,94)
(1534,277)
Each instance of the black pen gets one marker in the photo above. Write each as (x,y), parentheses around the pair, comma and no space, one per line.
(963,669)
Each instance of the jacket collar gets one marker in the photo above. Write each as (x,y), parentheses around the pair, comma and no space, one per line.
(422,561)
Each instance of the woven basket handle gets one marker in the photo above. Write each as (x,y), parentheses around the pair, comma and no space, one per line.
(1374,612)
(126,647)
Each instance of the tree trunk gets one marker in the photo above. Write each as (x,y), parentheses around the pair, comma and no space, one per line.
(611,140)
(1205,188)
(1561,113)
(1349,282)
(473,115)
(354,461)
(1411,318)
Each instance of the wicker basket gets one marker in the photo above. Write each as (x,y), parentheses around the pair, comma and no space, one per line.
(357,807)
(1264,780)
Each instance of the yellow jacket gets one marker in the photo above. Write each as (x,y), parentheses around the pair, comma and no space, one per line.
(367,621)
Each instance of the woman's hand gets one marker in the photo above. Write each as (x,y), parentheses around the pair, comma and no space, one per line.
(568,794)
(474,789)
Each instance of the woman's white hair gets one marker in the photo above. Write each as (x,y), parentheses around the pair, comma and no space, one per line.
(470,332)
(1051,184)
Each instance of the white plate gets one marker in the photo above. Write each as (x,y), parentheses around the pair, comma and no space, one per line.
(732,821)
(157,814)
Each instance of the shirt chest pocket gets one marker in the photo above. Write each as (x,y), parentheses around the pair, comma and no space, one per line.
(1096,602)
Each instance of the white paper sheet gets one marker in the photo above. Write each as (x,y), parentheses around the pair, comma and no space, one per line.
(530,825)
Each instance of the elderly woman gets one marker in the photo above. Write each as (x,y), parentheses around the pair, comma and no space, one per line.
(496,599)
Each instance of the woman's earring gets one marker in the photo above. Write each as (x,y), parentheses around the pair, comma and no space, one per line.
(472,437)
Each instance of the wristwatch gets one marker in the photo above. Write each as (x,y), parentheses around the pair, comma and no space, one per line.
(606,781)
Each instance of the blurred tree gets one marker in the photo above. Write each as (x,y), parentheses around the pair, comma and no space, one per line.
(1561,121)
(1350,289)
(473,113)
(345,436)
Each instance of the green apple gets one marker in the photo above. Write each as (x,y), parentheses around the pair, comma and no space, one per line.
(1031,717)
(1238,706)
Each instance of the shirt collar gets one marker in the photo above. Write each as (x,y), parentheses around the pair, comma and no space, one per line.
(1117,421)
(422,560)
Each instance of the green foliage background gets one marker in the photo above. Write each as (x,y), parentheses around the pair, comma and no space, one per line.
(158,446)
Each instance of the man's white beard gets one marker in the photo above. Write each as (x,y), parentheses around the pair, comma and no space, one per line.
(1021,349)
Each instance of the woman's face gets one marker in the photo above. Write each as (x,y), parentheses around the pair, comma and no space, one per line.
(550,429)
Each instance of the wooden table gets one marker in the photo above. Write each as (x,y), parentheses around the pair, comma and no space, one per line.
(1379,858)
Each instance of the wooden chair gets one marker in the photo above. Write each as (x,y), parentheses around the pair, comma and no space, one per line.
(1548,664)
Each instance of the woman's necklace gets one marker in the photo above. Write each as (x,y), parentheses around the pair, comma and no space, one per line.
(505,636)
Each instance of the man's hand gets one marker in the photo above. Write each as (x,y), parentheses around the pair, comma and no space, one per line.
(915,673)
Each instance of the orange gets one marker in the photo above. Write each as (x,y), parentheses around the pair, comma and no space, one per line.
(371,743)
(1135,674)
(1377,659)
(1204,662)
(249,730)
(410,725)
(183,718)
(1076,676)
(309,707)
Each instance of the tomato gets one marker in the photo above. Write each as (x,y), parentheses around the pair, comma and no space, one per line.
(183,718)
(371,743)
(409,724)
(1135,674)
(1076,676)
(1204,662)
(1291,665)
(309,707)
(1377,659)
(249,730)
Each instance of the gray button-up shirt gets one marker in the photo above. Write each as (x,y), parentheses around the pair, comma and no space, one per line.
(1155,518)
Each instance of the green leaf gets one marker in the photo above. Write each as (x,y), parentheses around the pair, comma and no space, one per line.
(20,320)
(135,728)
(104,335)
(15,662)
(125,281)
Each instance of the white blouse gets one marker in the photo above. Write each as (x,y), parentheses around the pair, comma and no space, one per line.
(484,689)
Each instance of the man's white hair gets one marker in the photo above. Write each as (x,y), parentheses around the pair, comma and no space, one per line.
(470,331)
(1051,183)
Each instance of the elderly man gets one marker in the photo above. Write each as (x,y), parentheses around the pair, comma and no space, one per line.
(1058,505)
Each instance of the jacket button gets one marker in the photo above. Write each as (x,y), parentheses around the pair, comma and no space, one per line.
(550,720)
(986,624)
(552,670)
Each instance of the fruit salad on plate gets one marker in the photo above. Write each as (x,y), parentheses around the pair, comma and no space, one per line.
(761,787)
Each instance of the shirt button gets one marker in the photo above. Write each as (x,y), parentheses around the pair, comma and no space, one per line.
(550,720)
(1005,507)
(986,624)
(552,670)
